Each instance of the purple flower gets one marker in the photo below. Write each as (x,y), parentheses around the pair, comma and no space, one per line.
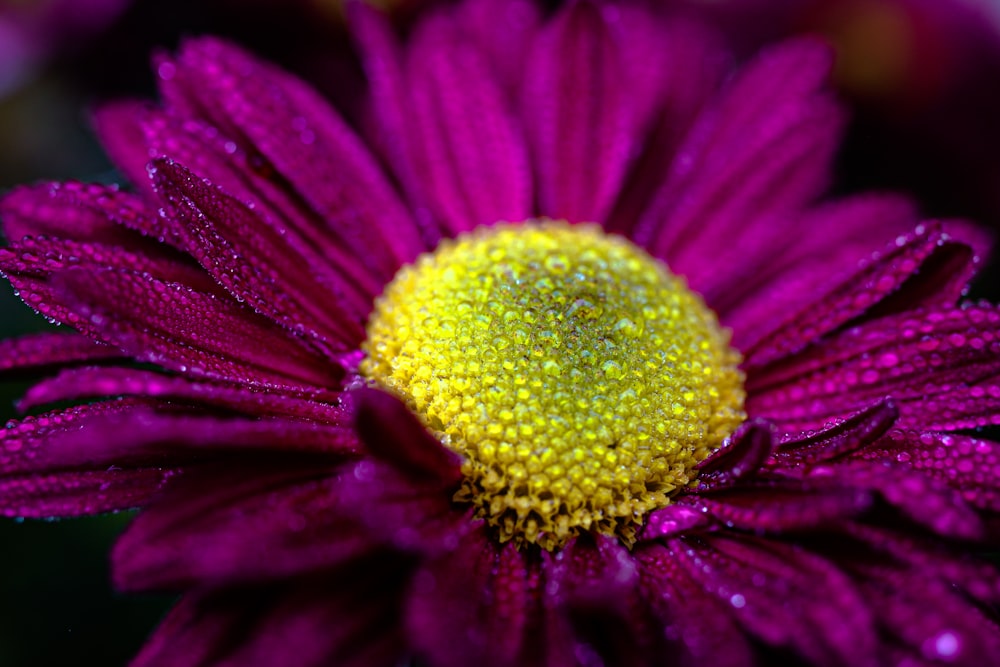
(535,445)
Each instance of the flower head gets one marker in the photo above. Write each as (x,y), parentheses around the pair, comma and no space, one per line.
(380,426)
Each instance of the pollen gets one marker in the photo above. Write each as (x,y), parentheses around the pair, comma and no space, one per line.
(578,378)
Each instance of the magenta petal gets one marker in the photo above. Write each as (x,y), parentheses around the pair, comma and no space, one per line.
(80,493)
(503,31)
(592,572)
(191,331)
(489,588)
(964,463)
(205,150)
(308,143)
(676,66)
(469,155)
(838,440)
(916,495)
(78,211)
(128,433)
(784,596)
(578,115)
(792,260)
(594,582)
(394,434)
(931,618)
(32,266)
(273,274)
(389,104)
(699,627)
(403,513)
(932,358)
(228,525)
(742,454)
(782,506)
(25,443)
(124,141)
(352,620)
(976,577)
(75,384)
(312,623)
(924,253)
(675,519)
(721,182)
(44,350)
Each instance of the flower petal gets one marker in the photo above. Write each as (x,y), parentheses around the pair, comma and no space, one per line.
(793,260)
(837,440)
(350,622)
(231,524)
(468,153)
(491,588)
(933,355)
(80,493)
(967,464)
(394,434)
(274,274)
(129,433)
(782,506)
(919,497)
(191,331)
(741,454)
(784,596)
(43,351)
(503,30)
(77,211)
(307,142)
(930,618)
(75,384)
(881,288)
(699,627)
(766,148)
(578,115)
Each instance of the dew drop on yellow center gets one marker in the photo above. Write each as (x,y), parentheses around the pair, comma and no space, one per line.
(580,380)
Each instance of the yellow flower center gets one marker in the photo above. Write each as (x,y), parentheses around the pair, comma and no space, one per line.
(580,380)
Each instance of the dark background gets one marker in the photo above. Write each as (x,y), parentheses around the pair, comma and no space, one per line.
(925,130)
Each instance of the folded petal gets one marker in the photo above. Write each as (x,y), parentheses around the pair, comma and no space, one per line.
(394,434)
(782,505)
(741,455)
(839,439)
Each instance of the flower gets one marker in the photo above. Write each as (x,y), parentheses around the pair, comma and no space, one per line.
(326,437)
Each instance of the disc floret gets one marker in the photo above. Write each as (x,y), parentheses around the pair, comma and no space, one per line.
(581,381)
